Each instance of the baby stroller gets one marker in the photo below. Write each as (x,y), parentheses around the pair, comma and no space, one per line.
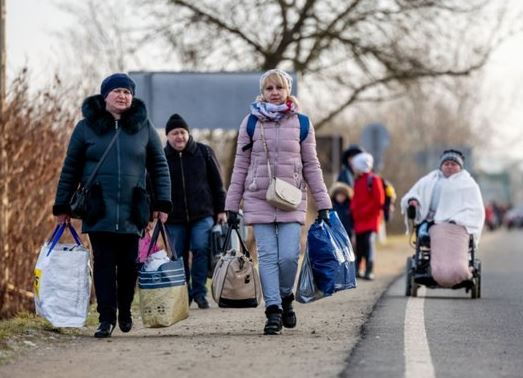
(418,270)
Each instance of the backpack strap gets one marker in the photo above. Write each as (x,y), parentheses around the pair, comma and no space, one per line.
(304,126)
(253,120)
(370,179)
(251,125)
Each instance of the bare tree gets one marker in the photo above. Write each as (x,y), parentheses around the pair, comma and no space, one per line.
(105,37)
(356,49)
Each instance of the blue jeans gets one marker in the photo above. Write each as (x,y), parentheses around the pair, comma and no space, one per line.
(278,247)
(193,237)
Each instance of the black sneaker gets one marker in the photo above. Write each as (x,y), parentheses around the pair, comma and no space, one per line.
(105,329)
(202,303)
(273,325)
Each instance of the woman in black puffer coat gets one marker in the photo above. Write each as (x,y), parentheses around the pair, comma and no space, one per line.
(117,207)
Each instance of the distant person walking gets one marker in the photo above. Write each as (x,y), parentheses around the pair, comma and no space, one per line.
(346,174)
(276,142)
(341,196)
(116,212)
(367,212)
(199,197)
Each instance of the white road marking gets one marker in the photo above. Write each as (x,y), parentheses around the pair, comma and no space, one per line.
(418,362)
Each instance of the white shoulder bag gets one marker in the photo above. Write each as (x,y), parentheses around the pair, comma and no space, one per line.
(280,193)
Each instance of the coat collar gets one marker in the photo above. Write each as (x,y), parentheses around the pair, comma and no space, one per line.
(100,120)
(189,148)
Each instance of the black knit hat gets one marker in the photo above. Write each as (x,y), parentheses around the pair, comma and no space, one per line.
(175,122)
(350,152)
(117,80)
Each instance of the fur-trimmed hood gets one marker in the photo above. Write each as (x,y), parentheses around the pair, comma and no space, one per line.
(341,187)
(100,120)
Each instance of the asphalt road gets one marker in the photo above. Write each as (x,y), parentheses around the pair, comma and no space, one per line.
(444,333)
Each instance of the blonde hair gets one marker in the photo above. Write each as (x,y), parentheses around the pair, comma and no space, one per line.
(279,77)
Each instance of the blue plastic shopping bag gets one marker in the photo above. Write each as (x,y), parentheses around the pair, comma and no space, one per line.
(346,274)
(325,256)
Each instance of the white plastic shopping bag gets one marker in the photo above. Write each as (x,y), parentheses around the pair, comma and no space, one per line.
(62,280)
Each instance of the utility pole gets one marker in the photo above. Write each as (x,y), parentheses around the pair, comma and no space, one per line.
(4,272)
(2,56)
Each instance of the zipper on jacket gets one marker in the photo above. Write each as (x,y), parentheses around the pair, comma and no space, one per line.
(183,187)
(118,194)
(276,153)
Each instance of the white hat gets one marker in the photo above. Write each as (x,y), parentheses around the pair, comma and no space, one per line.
(362,162)
(277,71)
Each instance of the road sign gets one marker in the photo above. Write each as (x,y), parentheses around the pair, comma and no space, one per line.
(375,139)
(206,100)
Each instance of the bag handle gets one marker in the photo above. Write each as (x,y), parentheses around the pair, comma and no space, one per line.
(106,152)
(244,251)
(57,235)
(159,228)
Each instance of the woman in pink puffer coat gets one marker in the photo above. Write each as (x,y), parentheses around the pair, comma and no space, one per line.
(277,231)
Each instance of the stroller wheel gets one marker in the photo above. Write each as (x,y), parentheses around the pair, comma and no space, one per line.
(414,288)
(476,289)
(408,277)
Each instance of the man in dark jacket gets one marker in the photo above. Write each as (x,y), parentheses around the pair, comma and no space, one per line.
(346,174)
(199,199)
(117,209)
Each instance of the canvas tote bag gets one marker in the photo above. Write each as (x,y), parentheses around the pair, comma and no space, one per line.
(164,299)
(235,282)
(280,193)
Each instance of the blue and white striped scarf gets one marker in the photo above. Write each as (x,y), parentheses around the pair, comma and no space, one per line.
(266,112)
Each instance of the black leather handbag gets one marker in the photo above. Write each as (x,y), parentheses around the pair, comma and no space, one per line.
(79,199)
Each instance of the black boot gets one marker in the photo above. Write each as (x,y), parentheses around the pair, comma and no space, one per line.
(288,316)
(104,330)
(273,324)
(369,275)
(125,323)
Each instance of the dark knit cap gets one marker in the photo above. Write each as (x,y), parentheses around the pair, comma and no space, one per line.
(453,155)
(117,80)
(175,122)
(350,152)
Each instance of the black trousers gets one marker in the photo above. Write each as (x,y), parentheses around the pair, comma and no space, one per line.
(364,251)
(115,272)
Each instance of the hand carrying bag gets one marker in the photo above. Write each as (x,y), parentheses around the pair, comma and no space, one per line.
(79,200)
(216,243)
(235,282)
(62,280)
(164,299)
(280,193)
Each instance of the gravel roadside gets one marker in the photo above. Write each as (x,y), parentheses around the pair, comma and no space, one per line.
(224,343)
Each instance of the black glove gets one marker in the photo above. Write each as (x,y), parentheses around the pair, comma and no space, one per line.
(323,215)
(232,219)
(411,212)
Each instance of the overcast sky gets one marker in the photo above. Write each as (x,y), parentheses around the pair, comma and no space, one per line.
(31,41)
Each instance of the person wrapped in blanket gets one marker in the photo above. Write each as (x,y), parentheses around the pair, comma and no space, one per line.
(447,207)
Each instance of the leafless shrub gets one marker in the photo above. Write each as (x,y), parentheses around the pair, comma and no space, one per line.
(35,129)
